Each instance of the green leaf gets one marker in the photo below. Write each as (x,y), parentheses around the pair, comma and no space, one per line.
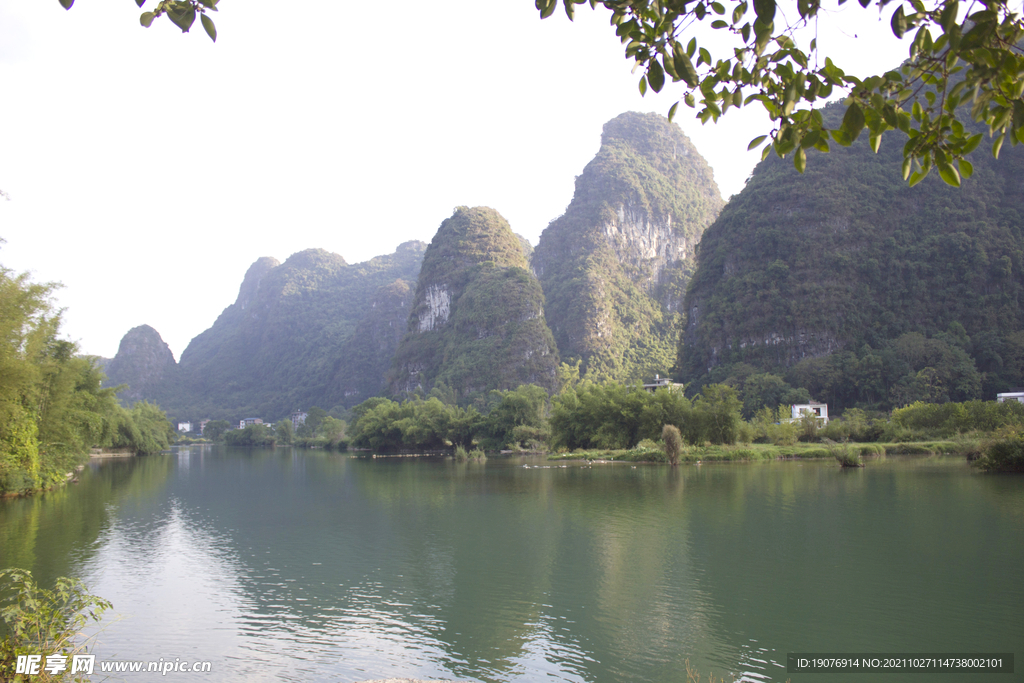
(756,142)
(643,86)
(949,174)
(66,4)
(898,22)
(765,10)
(917,176)
(972,143)
(655,76)
(183,19)
(685,68)
(966,168)
(147,19)
(907,164)
(140,3)
(546,7)
(948,17)
(876,141)
(672,111)
(211,30)
(853,121)
(800,160)
(997,145)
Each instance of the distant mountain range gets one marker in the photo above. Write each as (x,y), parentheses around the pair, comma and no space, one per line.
(841,281)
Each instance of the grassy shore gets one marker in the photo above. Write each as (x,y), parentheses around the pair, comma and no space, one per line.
(759,452)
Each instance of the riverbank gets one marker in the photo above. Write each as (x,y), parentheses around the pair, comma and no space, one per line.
(759,452)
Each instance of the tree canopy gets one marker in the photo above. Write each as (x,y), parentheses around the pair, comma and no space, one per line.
(964,65)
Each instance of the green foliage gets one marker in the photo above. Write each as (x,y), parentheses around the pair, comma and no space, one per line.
(611,304)
(41,621)
(673,443)
(416,424)
(53,408)
(252,435)
(181,13)
(1003,455)
(718,411)
(616,417)
(974,61)
(284,433)
(950,419)
(517,419)
(215,429)
(844,455)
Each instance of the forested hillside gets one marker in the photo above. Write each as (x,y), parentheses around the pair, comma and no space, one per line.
(614,267)
(867,292)
(477,320)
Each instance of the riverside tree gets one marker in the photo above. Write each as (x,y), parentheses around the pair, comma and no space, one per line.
(961,54)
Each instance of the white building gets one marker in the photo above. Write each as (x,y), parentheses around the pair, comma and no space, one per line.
(1016,394)
(299,418)
(184,426)
(820,410)
(246,421)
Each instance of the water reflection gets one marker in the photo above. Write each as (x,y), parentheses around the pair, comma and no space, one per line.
(292,565)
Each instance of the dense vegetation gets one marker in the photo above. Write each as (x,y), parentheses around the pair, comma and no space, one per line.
(615,265)
(53,408)
(477,321)
(865,292)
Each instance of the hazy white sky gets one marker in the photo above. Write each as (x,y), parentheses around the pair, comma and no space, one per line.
(148,169)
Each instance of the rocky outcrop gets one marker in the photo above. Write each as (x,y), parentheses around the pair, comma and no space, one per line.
(614,267)
(145,364)
(477,319)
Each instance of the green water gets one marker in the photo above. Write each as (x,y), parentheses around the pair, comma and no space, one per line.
(309,566)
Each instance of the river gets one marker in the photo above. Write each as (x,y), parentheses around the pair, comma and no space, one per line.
(280,564)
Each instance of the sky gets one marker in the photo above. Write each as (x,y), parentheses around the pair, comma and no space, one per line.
(148,169)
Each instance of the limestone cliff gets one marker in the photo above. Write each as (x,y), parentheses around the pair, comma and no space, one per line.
(614,267)
(477,319)
(145,364)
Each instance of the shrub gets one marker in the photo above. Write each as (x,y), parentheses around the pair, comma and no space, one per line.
(843,455)
(1005,455)
(673,443)
(43,622)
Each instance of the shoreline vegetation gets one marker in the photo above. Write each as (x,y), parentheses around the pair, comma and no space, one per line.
(618,422)
(53,407)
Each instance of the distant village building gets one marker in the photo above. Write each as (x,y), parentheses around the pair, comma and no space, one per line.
(202,426)
(1015,394)
(820,410)
(299,418)
(184,426)
(663,383)
(246,421)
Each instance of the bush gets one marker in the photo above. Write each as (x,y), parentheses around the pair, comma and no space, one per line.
(843,455)
(43,622)
(673,443)
(1005,455)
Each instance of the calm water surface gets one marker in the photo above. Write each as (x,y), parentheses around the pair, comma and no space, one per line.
(308,566)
